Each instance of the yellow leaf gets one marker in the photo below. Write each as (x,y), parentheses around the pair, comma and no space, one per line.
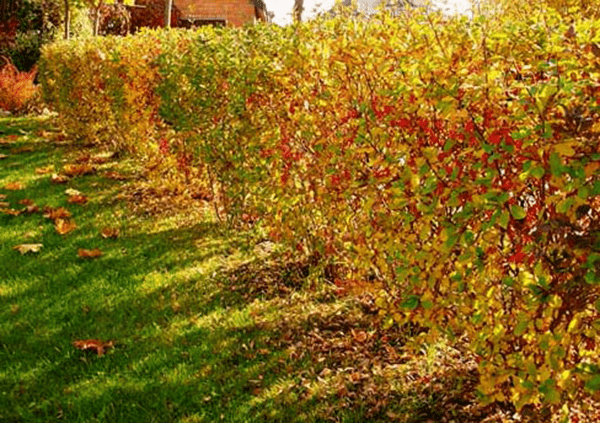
(565,149)
(28,248)
(64,226)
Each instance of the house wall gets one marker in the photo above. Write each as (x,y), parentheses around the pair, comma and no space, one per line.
(235,12)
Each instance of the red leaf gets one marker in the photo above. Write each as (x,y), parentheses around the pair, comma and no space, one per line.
(93,345)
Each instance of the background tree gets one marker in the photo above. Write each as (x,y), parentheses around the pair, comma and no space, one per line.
(298,9)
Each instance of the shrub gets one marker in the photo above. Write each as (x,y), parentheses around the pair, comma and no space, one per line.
(450,166)
(17,88)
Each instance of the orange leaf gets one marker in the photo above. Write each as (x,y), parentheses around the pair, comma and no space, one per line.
(44,170)
(77,199)
(8,139)
(28,248)
(83,253)
(25,202)
(53,214)
(59,179)
(3,196)
(110,233)
(77,170)
(4,204)
(360,336)
(12,212)
(64,226)
(3,156)
(93,345)
(14,186)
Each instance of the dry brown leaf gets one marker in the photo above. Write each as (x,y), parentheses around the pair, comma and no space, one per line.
(110,233)
(14,186)
(28,248)
(21,150)
(64,226)
(77,199)
(84,158)
(93,345)
(59,179)
(3,196)
(99,159)
(3,156)
(115,175)
(53,214)
(4,204)
(95,253)
(360,335)
(25,202)
(77,170)
(44,170)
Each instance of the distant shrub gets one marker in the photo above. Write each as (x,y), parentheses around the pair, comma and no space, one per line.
(16,88)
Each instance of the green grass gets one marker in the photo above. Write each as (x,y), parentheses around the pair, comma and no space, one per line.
(208,326)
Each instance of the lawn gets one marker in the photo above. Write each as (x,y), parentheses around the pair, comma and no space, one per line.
(206,324)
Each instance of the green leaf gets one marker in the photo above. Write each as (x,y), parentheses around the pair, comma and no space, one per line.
(521,327)
(504,219)
(593,384)
(518,212)
(538,172)
(411,302)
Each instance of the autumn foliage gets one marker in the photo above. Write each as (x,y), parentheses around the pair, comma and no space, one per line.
(16,88)
(449,166)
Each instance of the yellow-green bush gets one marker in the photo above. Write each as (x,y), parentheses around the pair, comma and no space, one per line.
(449,165)
(103,88)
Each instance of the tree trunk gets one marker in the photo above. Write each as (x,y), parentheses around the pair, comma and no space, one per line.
(298,9)
(168,7)
(67,20)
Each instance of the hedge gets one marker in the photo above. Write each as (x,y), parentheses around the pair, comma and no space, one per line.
(450,166)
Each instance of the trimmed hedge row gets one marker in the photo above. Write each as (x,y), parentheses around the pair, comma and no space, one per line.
(451,166)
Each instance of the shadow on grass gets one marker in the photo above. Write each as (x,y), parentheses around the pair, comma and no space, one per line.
(206,328)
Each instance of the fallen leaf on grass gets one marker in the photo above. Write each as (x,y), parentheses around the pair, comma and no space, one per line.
(112,233)
(360,335)
(14,186)
(4,204)
(3,196)
(28,248)
(44,170)
(99,159)
(59,179)
(8,139)
(25,202)
(21,150)
(93,345)
(53,214)
(71,191)
(12,212)
(77,199)
(95,253)
(77,170)
(115,175)
(64,226)
(3,156)
(32,209)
